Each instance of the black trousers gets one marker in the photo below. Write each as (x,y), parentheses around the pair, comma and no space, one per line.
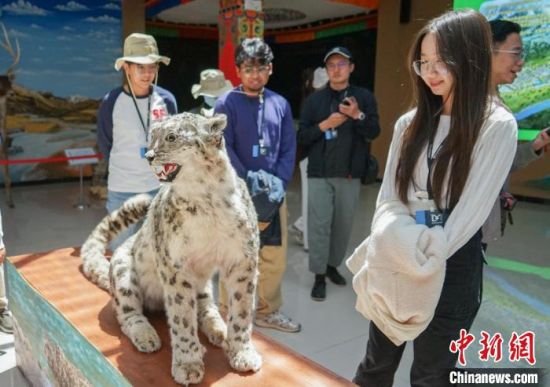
(457,307)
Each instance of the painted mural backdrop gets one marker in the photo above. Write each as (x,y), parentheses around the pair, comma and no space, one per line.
(529,95)
(515,295)
(67,53)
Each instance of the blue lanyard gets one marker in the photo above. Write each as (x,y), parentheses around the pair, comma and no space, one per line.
(260,119)
(261,115)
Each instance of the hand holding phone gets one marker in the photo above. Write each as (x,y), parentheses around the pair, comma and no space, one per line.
(346,102)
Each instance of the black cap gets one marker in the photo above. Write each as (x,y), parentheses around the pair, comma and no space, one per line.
(340,51)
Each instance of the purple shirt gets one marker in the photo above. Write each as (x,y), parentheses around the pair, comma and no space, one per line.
(242,134)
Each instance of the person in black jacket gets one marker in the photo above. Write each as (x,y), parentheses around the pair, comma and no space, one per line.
(336,125)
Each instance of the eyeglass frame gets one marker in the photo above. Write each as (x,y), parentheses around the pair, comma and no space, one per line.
(250,70)
(418,71)
(340,65)
(519,54)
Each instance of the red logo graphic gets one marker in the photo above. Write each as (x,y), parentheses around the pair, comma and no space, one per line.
(158,113)
(461,344)
(519,347)
(522,347)
(491,347)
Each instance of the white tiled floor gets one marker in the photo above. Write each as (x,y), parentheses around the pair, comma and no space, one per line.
(333,334)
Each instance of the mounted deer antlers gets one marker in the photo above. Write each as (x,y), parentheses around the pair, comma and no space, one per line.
(15,54)
(5,87)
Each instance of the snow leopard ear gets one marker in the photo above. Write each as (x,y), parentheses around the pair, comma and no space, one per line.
(216,125)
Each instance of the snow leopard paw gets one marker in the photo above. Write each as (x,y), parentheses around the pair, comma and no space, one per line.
(215,330)
(188,373)
(143,336)
(245,359)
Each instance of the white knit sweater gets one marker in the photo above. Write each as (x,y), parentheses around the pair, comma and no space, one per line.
(400,268)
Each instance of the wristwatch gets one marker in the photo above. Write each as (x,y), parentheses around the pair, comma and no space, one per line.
(361,116)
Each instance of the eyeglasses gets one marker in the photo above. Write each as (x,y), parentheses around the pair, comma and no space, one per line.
(339,65)
(249,70)
(142,69)
(424,67)
(519,54)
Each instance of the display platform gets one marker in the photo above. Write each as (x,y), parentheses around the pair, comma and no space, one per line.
(66,333)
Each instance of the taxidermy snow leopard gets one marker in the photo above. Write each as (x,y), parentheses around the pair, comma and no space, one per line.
(201,220)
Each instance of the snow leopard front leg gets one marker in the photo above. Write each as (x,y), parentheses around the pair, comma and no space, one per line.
(180,300)
(210,321)
(241,280)
(128,299)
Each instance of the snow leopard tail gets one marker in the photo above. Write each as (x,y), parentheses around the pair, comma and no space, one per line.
(94,263)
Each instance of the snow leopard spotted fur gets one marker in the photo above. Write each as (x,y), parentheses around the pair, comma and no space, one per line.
(202,220)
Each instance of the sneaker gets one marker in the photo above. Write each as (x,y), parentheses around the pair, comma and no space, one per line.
(297,226)
(319,291)
(299,237)
(6,322)
(335,277)
(279,321)
(298,234)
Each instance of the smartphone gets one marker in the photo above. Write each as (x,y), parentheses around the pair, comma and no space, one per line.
(346,102)
(547,131)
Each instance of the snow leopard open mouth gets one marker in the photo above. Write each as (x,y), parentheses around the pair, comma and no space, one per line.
(167,172)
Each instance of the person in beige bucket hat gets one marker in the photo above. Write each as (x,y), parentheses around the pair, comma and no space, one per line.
(124,118)
(142,49)
(212,85)
(141,58)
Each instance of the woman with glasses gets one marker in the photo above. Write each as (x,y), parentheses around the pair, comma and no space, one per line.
(418,276)
(123,121)
(508,61)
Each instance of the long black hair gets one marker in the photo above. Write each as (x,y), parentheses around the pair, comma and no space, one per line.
(464,44)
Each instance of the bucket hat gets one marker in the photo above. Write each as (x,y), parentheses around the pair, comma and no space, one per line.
(142,49)
(212,84)
(320,78)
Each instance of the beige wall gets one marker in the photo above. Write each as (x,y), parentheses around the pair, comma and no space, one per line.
(391,82)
